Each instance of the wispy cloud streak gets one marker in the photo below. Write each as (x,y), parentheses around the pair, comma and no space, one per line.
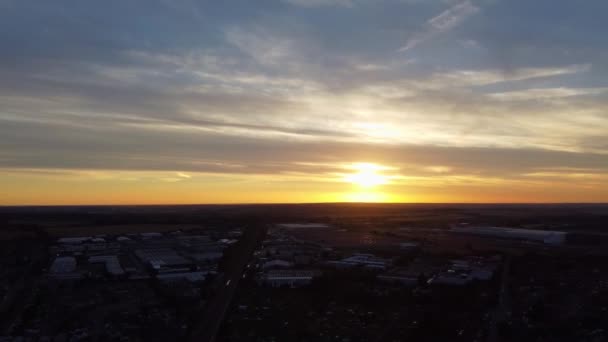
(443,22)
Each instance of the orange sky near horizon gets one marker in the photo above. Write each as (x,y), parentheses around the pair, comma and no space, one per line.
(145,187)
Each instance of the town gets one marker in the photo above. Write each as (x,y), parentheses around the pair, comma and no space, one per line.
(361,278)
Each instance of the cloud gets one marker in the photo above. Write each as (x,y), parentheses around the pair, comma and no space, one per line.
(439,169)
(123,148)
(320,3)
(443,22)
(183,175)
(264,47)
(486,77)
(269,89)
(546,93)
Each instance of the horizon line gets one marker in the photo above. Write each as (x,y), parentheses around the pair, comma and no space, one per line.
(297,203)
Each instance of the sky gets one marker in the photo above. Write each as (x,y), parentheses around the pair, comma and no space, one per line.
(185,101)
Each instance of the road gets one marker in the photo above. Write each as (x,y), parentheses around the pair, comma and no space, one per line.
(499,314)
(208,326)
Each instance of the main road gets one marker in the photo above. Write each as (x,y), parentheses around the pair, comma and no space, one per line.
(501,312)
(207,327)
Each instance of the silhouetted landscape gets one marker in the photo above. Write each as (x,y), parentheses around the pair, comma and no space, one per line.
(310,272)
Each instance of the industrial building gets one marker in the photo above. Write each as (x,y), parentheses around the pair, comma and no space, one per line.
(369,261)
(74,240)
(277,264)
(549,237)
(64,264)
(464,271)
(111,263)
(150,235)
(409,246)
(207,256)
(401,276)
(164,260)
(291,278)
(303,225)
(450,278)
(64,268)
(193,277)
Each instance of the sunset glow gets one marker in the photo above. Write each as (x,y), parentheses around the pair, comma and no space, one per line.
(367,175)
(302,101)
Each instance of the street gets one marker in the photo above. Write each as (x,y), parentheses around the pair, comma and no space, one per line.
(207,327)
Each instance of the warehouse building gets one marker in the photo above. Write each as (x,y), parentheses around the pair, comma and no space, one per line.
(111,263)
(164,260)
(369,261)
(64,268)
(549,237)
(290,278)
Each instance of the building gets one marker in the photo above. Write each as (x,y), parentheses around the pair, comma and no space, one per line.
(150,235)
(549,237)
(368,261)
(303,225)
(464,271)
(303,259)
(164,260)
(409,246)
(197,238)
(235,233)
(210,256)
(74,240)
(290,278)
(193,277)
(399,276)
(277,264)
(64,268)
(93,248)
(200,245)
(111,263)
(64,264)
(451,278)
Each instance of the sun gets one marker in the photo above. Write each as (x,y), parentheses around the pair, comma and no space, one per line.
(366,175)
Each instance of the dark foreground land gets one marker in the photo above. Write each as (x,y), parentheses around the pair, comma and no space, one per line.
(314,272)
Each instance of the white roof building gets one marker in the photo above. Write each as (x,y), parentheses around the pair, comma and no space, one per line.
(74,240)
(63,264)
(150,235)
(549,237)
